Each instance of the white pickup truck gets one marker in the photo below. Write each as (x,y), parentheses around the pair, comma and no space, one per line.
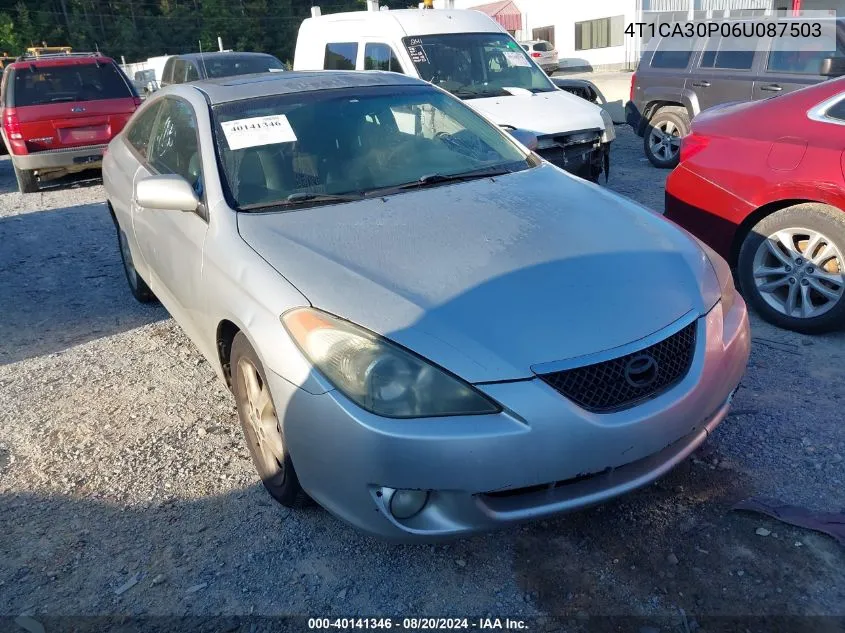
(471,56)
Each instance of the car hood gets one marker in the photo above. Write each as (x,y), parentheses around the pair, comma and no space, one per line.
(489,278)
(543,113)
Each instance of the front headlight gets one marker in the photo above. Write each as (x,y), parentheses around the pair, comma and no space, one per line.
(378,375)
(723,274)
(609,127)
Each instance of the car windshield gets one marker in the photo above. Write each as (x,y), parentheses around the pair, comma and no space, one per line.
(232,65)
(473,65)
(307,147)
(38,85)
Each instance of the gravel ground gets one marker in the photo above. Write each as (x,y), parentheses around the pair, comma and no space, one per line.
(125,487)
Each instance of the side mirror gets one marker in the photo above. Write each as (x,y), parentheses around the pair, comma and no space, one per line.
(171,193)
(832,67)
(529,139)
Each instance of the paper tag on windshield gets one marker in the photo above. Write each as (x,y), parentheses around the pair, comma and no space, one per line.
(261,130)
(515,58)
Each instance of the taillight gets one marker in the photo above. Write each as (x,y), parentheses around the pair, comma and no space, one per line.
(633,79)
(691,145)
(12,125)
(535,55)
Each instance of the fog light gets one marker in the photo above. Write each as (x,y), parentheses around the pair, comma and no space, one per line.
(406,503)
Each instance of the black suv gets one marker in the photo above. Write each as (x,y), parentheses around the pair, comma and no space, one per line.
(671,86)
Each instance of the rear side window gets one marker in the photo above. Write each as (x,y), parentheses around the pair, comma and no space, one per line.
(341,56)
(670,59)
(192,74)
(57,84)
(381,57)
(139,132)
(837,111)
(726,53)
(179,67)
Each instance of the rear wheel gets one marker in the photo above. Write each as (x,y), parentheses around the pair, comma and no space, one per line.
(27,182)
(261,427)
(792,268)
(662,138)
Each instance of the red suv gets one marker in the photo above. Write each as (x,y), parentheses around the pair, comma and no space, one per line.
(60,111)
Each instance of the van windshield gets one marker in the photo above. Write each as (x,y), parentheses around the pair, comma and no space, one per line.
(474,65)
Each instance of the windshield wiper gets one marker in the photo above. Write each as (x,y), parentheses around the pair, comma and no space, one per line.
(431,180)
(303,197)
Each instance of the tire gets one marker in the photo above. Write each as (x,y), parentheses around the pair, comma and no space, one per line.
(263,433)
(27,182)
(672,121)
(790,297)
(137,286)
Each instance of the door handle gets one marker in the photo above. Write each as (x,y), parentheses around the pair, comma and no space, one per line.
(701,84)
(771,88)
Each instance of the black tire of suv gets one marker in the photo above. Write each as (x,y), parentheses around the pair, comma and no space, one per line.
(280,479)
(678,116)
(27,182)
(818,217)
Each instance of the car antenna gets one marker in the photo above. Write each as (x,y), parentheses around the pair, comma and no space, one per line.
(202,59)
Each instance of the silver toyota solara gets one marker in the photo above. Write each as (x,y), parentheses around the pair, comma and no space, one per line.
(426,328)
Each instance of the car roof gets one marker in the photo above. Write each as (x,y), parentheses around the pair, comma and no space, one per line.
(227,89)
(60,60)
(217,54)
(406,22)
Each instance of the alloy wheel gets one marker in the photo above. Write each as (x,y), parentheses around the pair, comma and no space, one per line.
(799,272)
(664,140)
(261,417)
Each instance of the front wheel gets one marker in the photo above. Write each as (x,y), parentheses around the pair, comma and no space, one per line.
(662,138)
(261,427)
(792,268)
(137,286)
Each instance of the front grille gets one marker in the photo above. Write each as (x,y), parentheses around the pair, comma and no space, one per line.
(618,383)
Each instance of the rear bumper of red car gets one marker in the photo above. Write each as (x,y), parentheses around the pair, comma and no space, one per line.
(704,209)
(65,159)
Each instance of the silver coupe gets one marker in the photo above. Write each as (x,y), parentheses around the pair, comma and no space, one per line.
(426,328)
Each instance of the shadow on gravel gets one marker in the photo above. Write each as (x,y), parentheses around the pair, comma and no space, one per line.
(676,548)
(62,282)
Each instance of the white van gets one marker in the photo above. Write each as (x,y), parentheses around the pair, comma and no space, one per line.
(471,56)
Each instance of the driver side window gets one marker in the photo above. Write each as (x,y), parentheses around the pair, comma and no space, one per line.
(174,147)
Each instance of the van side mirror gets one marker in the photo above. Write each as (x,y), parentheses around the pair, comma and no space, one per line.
(529,139)
(832,67)
(172,193)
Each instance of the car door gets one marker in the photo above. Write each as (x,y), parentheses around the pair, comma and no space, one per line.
(724,72)
(171,242)
(786,70)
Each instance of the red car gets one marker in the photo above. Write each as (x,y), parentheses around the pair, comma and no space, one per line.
(762,183)
(59,111)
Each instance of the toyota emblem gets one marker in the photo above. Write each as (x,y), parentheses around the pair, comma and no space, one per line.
(77,109)
(641,371)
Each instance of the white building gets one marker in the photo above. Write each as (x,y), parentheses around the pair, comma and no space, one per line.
(591,34)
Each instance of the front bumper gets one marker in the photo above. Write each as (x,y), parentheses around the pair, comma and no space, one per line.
(65,159)
(543,455)
(587,160)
